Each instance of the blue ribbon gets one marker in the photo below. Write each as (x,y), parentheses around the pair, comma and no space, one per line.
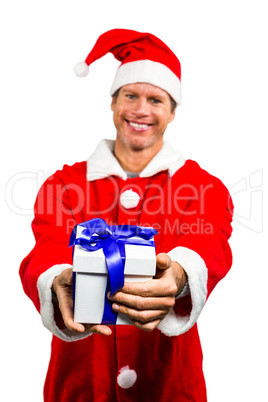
(98,235)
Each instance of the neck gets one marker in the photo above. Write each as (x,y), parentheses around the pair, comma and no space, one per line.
(135,160)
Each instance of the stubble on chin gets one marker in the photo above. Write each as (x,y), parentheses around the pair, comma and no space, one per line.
(139,143)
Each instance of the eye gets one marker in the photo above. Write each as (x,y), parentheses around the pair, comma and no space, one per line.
(155,101)
(130,96)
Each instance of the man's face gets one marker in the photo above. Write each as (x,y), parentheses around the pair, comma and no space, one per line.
(141,115)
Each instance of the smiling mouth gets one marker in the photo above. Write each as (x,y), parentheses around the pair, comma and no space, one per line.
(138,126)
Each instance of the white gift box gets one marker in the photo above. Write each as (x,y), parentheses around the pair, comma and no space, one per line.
(91,274)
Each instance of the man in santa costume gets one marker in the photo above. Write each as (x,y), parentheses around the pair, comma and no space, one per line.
(138,179)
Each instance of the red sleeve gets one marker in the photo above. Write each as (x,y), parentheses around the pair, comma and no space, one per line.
(54,219)
(206,227)
(201,246)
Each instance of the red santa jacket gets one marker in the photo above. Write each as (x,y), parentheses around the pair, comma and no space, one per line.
(192,212)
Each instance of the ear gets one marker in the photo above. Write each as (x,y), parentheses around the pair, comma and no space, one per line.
(172,116)
(112,104)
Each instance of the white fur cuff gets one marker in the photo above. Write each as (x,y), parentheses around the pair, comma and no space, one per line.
(196,270)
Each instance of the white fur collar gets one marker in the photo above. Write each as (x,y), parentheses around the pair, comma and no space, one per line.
(103,163)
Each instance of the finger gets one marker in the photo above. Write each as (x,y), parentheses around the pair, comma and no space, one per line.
(160,287)
(150,326)
(65,300)
(144,289)
(143,317)
(78,327)
(74,326)
(67,315)
(66,308)
(163,261)
(98,329)
(143,303)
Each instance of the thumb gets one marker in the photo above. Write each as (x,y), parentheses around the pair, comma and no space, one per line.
(163,261)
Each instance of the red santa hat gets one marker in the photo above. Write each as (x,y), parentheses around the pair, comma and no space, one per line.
(144,58)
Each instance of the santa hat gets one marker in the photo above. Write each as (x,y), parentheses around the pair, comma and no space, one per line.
(144,58)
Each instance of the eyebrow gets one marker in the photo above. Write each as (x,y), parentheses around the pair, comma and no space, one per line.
(124,90)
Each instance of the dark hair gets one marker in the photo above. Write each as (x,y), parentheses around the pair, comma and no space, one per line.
(173,103)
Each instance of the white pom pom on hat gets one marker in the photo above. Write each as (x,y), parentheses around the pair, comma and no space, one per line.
(81,69)
(144,58)
(126,377)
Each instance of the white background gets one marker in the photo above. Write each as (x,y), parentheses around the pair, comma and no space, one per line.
(50,117)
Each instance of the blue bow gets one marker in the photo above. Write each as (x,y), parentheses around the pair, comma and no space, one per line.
(96,235)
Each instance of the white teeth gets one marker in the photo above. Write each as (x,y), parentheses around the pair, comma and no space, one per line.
(138,125)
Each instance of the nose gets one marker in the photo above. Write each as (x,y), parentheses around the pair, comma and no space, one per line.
(141,108)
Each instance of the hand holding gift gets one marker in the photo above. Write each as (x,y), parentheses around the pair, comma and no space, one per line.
(104,258)
(147,303)
(143,303)
(63,289)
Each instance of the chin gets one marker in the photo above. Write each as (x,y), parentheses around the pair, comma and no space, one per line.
(139,145)
(140,142)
